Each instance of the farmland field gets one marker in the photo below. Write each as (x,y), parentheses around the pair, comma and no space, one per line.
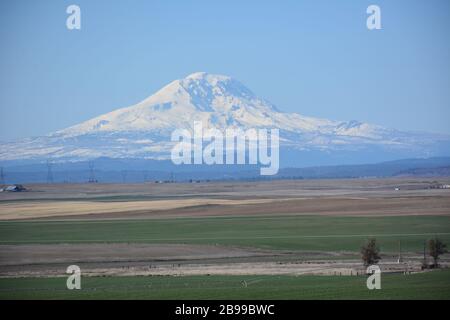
(280,232)
(283,239)
(430,285)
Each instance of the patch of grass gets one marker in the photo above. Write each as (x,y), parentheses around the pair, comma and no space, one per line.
(317,233)
(429,285)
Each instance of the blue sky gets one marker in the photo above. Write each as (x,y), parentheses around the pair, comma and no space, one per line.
(313,57)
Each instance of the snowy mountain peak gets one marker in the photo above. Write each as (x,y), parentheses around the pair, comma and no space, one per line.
(204,88)
(143,130)
(204,76)
(216,100)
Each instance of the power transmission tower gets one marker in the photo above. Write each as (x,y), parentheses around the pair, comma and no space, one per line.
(2,176)
(49,172)
(124,176)
(91,173)
(145,175)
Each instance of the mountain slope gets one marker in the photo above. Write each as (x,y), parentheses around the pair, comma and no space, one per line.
(143,130)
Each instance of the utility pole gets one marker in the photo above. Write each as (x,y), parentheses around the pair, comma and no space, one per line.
(49,172)
(425,262)
(400,258)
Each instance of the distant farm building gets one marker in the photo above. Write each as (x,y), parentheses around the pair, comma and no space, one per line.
(13,188)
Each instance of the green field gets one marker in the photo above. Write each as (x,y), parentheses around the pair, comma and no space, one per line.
(312,233)
(318,233)
(430,285)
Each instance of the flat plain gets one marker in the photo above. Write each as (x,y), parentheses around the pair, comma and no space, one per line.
(299,232)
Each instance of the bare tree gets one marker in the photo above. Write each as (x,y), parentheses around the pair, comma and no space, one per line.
(436,248)
(370,253)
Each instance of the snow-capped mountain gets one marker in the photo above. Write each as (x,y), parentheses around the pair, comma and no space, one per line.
(143,130)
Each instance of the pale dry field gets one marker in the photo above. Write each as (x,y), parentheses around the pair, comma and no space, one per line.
(357,197)
(48,209)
